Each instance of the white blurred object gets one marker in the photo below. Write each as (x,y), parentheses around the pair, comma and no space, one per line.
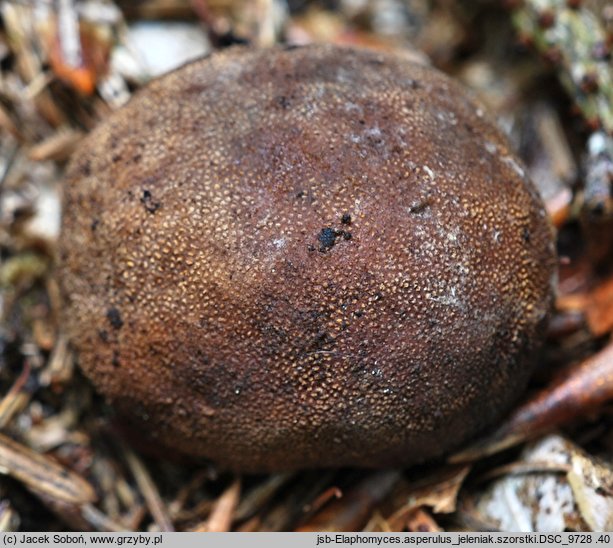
(45,224)
(153,48)
(566,489)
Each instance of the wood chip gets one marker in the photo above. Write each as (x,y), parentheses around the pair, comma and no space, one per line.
(351,513)
(149,491)
(15,399)
(59,146)
(43,474)
(222,514)
(581,389)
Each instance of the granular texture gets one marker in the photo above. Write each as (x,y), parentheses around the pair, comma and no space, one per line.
(304,257)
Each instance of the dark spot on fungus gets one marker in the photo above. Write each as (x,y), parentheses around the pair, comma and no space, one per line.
(419,206)
(147,200)
(327,239)
(395,348)
(85,168)
(283,101)
(525,234)
(114,317)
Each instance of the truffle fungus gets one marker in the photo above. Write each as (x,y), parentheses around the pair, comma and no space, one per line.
(305,257)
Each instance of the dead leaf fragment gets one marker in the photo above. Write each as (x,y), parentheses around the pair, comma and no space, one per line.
(420,521)
(600,309)
(540,500)
(592,484)
(92,46)
(442,492)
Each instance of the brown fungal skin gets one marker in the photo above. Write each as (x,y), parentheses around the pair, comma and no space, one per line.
(307,257)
